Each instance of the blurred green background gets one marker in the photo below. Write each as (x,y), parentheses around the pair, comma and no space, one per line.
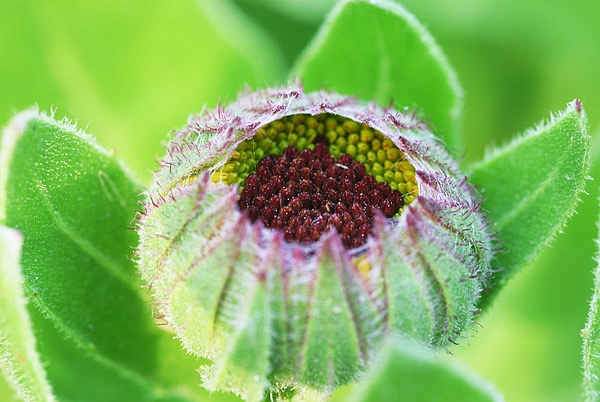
(130,71)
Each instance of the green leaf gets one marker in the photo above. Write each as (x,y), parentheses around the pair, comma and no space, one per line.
(376,50)
(91,377)
(73,202)
(531,187)
(408,372)
(19,359)
(86,377)
(591,341)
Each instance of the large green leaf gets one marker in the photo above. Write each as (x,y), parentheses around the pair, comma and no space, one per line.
(378,51)
(407,372)
(88,376)
(19,359)
(73,203)
(531,187)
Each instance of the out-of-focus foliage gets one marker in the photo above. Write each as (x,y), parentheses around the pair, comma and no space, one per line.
(132,71)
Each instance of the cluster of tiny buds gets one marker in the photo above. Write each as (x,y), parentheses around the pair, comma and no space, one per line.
(303,193)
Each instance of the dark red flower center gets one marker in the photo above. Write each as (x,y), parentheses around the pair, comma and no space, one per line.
(303,194)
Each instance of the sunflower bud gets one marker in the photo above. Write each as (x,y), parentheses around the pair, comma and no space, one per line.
(284,237)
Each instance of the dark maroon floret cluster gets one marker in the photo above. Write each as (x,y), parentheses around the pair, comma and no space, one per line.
(304,193)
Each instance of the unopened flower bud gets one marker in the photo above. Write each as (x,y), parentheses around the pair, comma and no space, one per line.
(285,236)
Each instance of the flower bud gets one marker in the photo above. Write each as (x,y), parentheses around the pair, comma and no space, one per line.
(285,236)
